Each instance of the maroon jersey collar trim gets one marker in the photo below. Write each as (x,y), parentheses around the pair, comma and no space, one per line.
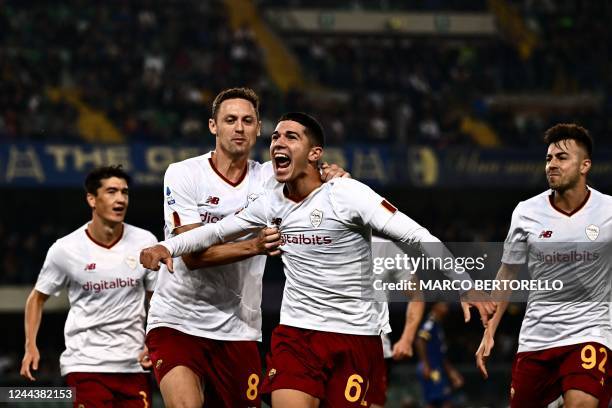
(109,246)
(569,214)
(303,199)
(242,176)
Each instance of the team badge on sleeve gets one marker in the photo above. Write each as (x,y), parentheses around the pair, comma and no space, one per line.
(592,232)
(316,217)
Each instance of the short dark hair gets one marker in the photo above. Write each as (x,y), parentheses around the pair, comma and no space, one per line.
(235,93)
(94,178)
(570,131)
(314,130)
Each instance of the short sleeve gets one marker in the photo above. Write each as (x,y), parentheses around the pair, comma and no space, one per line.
(515,245)
(180,197)
(357,204)
(52,278)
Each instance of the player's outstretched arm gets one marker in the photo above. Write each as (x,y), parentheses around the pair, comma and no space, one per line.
(33,317)
(509,272)
(373,210)
(205,236)
(266,242)
(402,228)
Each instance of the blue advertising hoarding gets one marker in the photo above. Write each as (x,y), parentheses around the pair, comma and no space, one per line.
(64,165)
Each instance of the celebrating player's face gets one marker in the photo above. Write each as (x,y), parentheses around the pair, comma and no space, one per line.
(566,163)
(236,126)
(111,200)
(291,151)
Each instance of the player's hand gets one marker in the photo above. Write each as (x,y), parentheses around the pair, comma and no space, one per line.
(144,359)
(152,256)
(455,378)
(268,241)
(30,361)
(481,301)
(484,352)
(402,349)
(330,171)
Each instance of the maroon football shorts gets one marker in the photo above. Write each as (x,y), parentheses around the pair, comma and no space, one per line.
(93,390)
(540,377)
(342,370)
(230,370)
(604,402)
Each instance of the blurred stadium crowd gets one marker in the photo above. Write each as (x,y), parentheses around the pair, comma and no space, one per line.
(151,69)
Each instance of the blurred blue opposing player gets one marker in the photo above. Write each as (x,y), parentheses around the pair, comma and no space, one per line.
(437,375)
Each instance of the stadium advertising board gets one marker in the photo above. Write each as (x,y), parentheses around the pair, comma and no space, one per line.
(64,165)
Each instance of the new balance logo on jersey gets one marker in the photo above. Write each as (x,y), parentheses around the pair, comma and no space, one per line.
(90,267)
(212,200)
(545,234)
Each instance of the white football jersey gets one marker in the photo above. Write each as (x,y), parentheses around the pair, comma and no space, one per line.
(571,248)
(221,302)
(385,248)
(104,331)
(326,255)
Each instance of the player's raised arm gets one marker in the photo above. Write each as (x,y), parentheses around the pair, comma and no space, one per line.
(402,228)
(33,317)
(373,210)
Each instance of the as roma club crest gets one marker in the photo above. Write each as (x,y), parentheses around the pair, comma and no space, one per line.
(592,232)
(316,217)
(131,261)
